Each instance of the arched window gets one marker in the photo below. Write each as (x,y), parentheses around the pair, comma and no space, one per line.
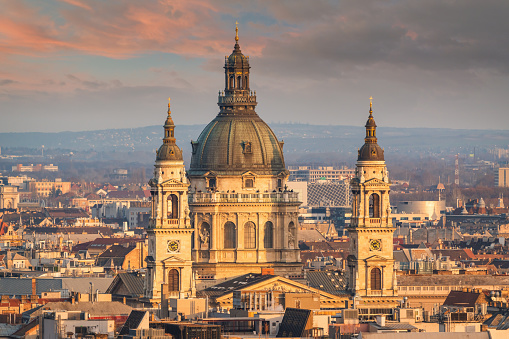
(173,280)
(268,240)
(374,206)
(249,235)
(376,279)
(239,80)
(173,206)
(246,82)
(279,183)
(229,235)
(232,82)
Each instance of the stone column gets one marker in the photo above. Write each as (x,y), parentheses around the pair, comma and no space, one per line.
(366,205)
(215,229)
(159,204)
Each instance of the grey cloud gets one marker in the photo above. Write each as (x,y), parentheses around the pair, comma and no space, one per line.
(431,35)
(4,82)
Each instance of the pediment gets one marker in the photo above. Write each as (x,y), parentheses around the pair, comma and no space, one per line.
(249,173)
(283,285)
(172,182)
(210,174)
(375,257)
(283,174)
(374,182)
(173,259)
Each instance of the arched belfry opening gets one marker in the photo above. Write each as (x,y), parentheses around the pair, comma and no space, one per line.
(374,206)
(173,206)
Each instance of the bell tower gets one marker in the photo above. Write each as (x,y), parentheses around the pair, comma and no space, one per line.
(169,262)
(371,263)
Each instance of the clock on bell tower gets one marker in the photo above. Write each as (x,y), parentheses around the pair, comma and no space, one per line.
(371,263)
(169,263)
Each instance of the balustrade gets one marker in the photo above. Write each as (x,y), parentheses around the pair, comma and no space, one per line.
(244,197)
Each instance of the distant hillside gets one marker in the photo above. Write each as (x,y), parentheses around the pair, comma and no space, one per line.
(301,141)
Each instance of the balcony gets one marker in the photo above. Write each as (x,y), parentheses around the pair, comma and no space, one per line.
(373,221)
(278,197)
(234,99)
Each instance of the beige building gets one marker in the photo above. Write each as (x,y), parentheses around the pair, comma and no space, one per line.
(169,262)
(312,174)
(9,197)
(371,263)
(244,217)
(502,177)
(45,188)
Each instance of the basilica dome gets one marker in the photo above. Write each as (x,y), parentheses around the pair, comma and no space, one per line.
(236,144)
(237,140)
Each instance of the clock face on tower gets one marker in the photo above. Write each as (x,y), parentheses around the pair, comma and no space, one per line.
(375,245)
(173,246)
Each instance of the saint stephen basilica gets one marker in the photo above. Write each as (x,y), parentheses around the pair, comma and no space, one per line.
(231,213)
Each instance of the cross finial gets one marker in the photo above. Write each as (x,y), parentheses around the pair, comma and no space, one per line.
(169,99)
(370,103)
(236,31)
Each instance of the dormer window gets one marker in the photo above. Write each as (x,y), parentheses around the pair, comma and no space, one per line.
(249,183)
(194,145)
(211,184)
(247,147)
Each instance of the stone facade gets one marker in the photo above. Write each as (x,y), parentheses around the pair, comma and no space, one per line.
(245,218)
(371,263)
(9,197)
(170,233)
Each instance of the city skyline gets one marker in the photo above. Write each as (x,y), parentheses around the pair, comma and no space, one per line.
(76,65)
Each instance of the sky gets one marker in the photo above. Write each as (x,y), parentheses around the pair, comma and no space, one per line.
(73,65)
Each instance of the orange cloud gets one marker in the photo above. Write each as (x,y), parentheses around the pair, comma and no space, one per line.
(117,29)
(78,4)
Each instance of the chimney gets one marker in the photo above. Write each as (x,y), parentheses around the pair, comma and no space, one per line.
(34,286)
(380,320)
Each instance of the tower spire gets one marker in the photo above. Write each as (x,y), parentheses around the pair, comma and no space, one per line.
(236,31)
(169,127)
(371,150)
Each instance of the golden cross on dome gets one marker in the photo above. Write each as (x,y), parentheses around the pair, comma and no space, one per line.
(370,102)
(236,31)
(169,102)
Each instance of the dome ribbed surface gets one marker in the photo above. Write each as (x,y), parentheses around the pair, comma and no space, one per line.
(169,152)
(232,145)
(371,152)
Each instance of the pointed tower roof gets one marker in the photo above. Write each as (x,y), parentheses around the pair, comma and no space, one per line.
(370,151)
(169,149)
(237,59)
(237,140)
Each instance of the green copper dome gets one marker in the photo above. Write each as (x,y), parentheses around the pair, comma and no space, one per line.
(237,140)
(235,144)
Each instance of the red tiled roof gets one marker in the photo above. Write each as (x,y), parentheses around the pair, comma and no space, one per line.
(126,195)
(3,227)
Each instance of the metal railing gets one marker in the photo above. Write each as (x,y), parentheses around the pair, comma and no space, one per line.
(244,197)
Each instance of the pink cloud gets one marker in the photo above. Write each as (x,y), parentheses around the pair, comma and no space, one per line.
(78,4)
(117,29)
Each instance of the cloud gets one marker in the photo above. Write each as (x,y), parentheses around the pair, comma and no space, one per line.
(116,29)
(4,82)
(432,35)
